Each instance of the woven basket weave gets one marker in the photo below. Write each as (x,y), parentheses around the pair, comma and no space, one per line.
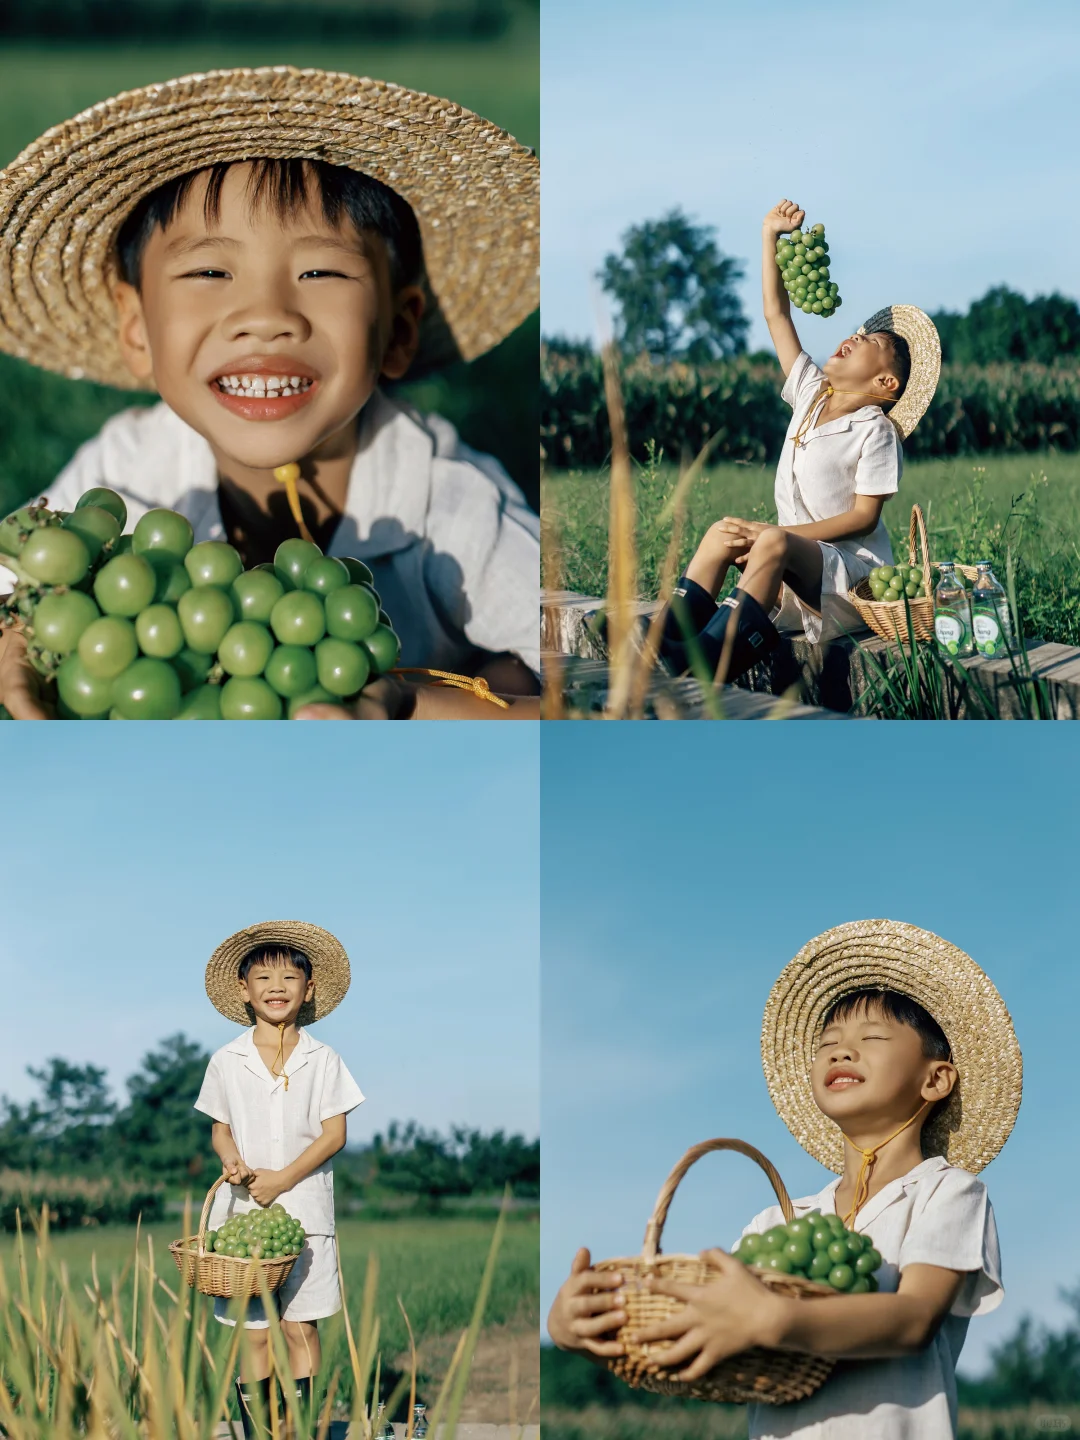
(889,618)
(770,1377)
(224,1275)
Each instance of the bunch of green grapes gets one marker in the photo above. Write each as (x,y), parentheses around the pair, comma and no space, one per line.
(893,582)
(150,626)
(817,1247)
(803,258)
(268,1234)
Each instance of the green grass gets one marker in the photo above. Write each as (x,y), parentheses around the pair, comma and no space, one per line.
(974,511)
(434,1265)
(44,418)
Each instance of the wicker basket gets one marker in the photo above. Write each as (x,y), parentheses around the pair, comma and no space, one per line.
(770,1377)
(889,618)
(224,1275)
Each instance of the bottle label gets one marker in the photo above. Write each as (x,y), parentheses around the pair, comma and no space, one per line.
(950,631)
(987,629)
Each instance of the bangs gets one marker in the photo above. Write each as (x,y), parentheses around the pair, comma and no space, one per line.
(897,1008)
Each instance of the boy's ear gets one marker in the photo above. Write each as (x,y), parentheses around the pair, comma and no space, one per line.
(888,381)
(131,331)
(404,338)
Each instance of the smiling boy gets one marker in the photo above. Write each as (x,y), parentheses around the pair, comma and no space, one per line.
(296,240)
(892,1059)
(278,1099)
(840,462)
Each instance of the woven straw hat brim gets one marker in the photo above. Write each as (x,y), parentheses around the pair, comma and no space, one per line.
(885,954)
(329,967)
(475,192)
(923,340)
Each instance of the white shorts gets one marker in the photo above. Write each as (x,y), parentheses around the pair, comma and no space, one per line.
(841,570)
(310,1292)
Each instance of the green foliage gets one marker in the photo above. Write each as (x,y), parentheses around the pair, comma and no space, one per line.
(74,1200)
(1027,505)
(413,1161)
(675,292)
(993,409)
(159,1132)
(150,20)
(1003,325)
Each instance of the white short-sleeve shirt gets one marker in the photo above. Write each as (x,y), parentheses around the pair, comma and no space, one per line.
(856,454)
(272,1125)
(936,1214)
(454,548)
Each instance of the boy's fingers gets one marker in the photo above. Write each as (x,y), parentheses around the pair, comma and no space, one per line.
(595,1304)
(682,1350)
(599,1324)
(322,712)
(701,1366)
(686,1293)
(608,1348)
(582,1260)
(670,1329)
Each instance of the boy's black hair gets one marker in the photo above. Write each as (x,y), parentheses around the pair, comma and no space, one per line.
(283,186)
(274,955)
(901,1010)
(901,366)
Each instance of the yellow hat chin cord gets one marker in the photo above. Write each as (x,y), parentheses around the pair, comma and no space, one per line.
(806,426)
(862,1181)
(288,475)
(279,1058)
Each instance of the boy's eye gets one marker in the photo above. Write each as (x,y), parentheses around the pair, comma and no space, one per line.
(324,274)
(207,274)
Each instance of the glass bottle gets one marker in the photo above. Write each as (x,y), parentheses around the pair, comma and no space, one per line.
(952,614)
(991,622)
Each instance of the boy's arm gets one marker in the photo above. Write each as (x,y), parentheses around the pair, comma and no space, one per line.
(861,519)
(780,220)
(225,1147)
(736,1311)
(266,1185)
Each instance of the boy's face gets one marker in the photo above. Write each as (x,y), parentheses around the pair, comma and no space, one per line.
(294,306)
(869,1072)
(276,992)
(863,362)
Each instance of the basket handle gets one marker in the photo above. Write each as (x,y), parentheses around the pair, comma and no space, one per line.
(655,1228)
(205,1215)
(916,538)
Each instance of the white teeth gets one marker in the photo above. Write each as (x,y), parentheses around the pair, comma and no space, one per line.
(263,386)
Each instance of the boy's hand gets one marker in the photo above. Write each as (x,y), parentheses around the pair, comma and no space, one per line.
(20,684)
(587,1307)
(721,1318)
(264,1186)
(235,1171)
(783,218)
(385,699)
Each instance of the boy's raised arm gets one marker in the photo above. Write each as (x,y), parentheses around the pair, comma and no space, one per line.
(780,220)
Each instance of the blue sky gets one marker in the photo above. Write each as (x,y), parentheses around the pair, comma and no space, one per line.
(133,850)
(679,879)
(935,142)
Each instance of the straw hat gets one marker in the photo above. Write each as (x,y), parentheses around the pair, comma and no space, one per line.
(974,1124)
(475,192)
(921,334)
(329,967)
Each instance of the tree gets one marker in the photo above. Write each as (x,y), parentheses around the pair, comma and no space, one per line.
(65,1126)
(160,1133)
(675,292)
(1005,326)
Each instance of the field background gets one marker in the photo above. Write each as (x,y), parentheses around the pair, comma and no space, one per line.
(434,1265)
(976,508)
(43,417)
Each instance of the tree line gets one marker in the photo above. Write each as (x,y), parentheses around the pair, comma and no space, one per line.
(676,299)
(73,1127)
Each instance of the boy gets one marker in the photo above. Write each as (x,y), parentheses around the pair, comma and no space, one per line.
(294,239)
(840,462)
(278,1099)
(873,1036)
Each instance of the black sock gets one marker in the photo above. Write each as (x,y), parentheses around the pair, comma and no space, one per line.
(253,1397)
(302,1391)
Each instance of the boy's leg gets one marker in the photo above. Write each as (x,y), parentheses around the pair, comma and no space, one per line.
(712,560)
(778,558)
(305,1352)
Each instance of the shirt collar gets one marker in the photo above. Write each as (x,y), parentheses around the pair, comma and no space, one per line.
(844,422)
(825,1201)
(244,1046)
(389,491)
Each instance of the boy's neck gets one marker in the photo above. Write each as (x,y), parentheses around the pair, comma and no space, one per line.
(268,1034)
(839,403)
(894,1160)
(255,507)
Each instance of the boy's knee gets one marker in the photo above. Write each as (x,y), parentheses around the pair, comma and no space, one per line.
(714,542)
(771,545)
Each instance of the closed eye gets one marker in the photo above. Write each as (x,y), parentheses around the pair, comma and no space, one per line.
(205,275)
(325,275)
